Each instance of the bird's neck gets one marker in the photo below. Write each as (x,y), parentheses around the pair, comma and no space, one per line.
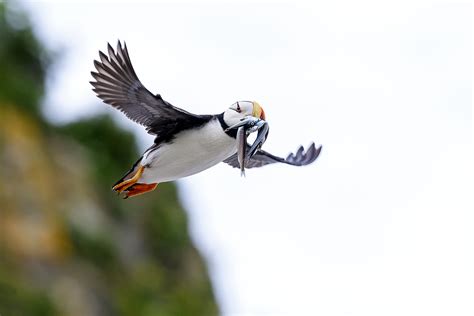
(231,133)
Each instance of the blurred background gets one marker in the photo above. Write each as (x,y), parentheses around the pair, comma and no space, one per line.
(67,245)
(381,224)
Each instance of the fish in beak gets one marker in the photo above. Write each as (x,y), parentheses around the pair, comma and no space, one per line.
(262,135)
(241,148)
(245,127)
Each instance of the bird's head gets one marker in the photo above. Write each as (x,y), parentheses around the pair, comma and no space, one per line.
(241,109)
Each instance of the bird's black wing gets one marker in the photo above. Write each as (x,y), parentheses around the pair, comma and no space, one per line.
(117,84)
(262,158)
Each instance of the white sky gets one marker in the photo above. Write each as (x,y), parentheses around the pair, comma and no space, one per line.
(382,223)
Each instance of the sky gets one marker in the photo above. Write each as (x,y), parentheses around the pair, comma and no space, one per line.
(381,223)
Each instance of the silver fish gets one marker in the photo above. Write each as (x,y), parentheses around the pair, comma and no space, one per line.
(245,127)
(241,148)
(263,130)
(248,121)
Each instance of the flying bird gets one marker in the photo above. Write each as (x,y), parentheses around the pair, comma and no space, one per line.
(185,143)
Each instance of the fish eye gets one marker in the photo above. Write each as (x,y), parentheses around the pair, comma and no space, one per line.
(238,107)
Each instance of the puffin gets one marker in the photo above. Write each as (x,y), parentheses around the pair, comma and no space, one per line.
(185,143)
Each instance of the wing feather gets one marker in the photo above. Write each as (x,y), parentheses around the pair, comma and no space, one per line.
(117,84)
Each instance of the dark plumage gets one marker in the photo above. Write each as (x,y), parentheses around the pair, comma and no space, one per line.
(117,84)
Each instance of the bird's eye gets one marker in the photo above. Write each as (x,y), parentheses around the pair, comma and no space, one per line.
(238,108)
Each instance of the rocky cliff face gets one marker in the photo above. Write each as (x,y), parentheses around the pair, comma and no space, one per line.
(68,245)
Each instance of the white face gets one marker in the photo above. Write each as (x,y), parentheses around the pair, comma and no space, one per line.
(241,109)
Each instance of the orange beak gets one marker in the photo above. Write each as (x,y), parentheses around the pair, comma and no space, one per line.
(258,111)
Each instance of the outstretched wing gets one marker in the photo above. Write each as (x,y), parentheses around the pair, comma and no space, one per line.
(117,84)
(262,158)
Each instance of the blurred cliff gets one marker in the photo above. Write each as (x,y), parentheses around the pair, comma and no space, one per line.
(68,245)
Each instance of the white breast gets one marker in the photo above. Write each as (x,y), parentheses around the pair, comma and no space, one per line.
(191,151)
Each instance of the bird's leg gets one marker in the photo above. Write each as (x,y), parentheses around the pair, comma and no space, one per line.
(139,188)
(124,185)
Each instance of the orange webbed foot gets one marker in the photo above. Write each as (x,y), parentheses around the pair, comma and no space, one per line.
(124,185)
(139,188)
